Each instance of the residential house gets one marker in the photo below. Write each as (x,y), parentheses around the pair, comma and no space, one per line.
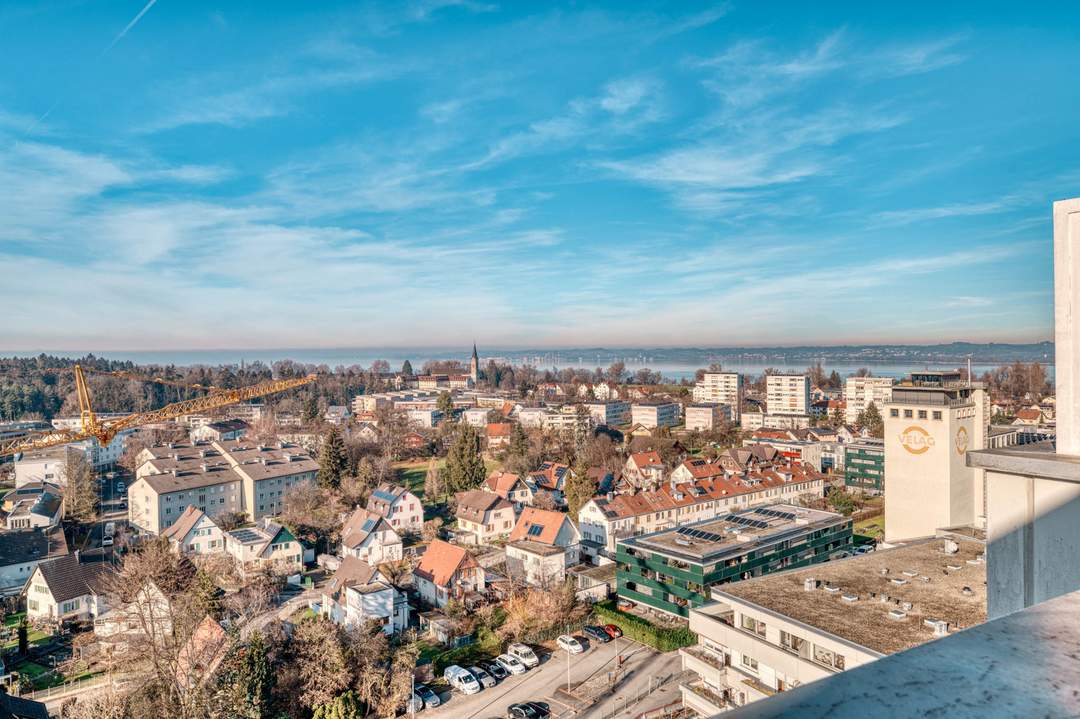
(369,537)
(366,432)
(1028,417)
(220,430)
(543,545)
(695,468)
(643,469)
(33,505)
(194,532)
(48,465)
(447,572)
(22,550)
(12,707)
(603,520)
(550,477)
(337,414)
(265,544)
(70,587)
(197,657)
(147,617)
(510,487)
(498,435)
(414,441)
(398,506)
(483,516)
(358,593)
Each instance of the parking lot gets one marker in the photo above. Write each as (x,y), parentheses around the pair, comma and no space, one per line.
(641,665)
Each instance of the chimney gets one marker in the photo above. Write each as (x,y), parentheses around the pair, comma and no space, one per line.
(951,547)
(809,584)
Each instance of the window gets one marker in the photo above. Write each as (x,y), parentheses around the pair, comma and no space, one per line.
(922,414)
(937,414)
(907,413)
(828,658)
(753,625)
(32,604)
(749,663)
(794,643)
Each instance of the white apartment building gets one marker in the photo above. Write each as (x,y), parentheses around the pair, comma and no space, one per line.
(932,421)
(773,633)
(861,392)
(47,465)
(787,394)
(723,388)
(612,413)
(655,414)
(215,477)
(706,416)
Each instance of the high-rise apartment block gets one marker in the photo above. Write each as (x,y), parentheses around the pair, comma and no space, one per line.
(721,388)
(861,392)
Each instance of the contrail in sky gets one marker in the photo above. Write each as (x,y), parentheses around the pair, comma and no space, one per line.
(130,25)
(118,38)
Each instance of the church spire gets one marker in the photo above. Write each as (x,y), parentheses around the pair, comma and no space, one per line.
(474,365)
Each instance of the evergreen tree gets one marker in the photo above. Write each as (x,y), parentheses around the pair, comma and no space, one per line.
(445,404)
(579,489)
(433,484)
(837,417)
(406,368)
(332,458)
(465,468)
(519,441)
(311,409)
(246,682)
(873,422)
(343,706)
(207,595)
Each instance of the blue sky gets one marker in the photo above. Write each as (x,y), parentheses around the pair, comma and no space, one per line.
(274,174)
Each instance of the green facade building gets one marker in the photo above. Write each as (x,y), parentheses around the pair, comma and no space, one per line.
(864,466)
(675,569)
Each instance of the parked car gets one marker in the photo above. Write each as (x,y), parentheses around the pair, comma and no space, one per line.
(625,605)
(486,680)
(864,549)
(613,631)
(527,710)
(510,664)
(431,699)
(594,632)
(570,644)
(106,541)
(121,487)
(495,670)
(524,654)
(460,679)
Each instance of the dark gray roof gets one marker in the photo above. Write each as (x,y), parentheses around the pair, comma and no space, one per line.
(19,708)
(28,545)
(73,576)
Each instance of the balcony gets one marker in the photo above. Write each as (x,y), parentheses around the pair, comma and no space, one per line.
(705,664)
(704,700)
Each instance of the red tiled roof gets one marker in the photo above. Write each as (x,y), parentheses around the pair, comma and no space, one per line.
(538,525)
(441,560)
(644,459)
(498,429)
(502,482)
(631,505)
(1029,414)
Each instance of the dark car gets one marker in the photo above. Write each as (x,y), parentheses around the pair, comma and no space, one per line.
(597,633)
(431,699)
(494,670)
(613,631)
(528,710)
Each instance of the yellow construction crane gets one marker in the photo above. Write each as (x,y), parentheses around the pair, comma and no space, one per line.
(104,430)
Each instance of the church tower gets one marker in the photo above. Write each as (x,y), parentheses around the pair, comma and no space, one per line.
(474,366)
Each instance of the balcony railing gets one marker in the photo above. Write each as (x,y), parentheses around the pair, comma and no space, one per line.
(705,656)
(720,701)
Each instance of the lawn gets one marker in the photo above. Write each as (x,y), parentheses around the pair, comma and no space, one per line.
(412,474)
(34,636)
(873,527)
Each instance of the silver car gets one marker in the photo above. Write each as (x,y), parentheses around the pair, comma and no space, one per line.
(486,680)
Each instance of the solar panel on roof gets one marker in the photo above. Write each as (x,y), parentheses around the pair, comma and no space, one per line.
(368,524)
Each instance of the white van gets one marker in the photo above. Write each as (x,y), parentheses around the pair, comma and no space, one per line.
(460,679)
(524,654)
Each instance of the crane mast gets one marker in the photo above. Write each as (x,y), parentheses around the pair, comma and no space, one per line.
(104,430)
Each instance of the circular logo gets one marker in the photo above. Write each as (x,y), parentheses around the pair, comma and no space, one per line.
(916,440)
(961,441)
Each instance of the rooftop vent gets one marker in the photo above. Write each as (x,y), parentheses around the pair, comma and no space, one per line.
(954,567)
(967,591)
(924,578)
(884,571)
(910,573)
(906,606)
(897,615)
(884,599)
(941,628)
(682,542)
(898,581)
(809,584)
(951,547)
(832,590)
(850,598)
(974,561)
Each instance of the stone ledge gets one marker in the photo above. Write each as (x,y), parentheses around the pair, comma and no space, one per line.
(1039,461)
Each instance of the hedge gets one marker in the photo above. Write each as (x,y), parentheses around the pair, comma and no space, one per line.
(642,630)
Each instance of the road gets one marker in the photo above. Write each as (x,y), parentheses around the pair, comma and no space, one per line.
(541,684)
